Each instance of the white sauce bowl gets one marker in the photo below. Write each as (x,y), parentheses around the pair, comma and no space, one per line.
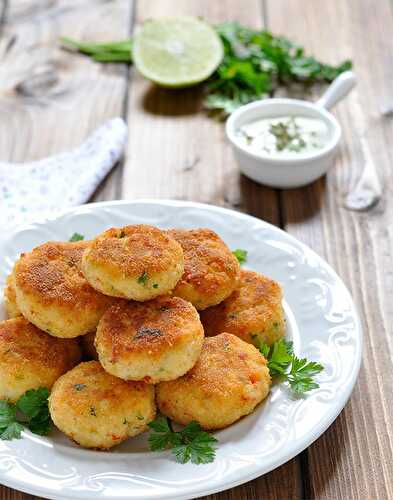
(302,168)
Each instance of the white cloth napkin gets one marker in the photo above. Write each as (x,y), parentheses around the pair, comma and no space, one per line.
(28,190)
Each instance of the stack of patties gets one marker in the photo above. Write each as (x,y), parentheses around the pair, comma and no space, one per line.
(132,295)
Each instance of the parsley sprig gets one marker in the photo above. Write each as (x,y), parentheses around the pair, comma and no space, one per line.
(284,364)
(31,411)
(77,237)
(191,444)
(241,255)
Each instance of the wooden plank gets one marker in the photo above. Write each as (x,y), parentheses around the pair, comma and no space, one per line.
(50,99)
(353,459)
(175,151)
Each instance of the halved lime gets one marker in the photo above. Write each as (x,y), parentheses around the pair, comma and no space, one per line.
(177,51)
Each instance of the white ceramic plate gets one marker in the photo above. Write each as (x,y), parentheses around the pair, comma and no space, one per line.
(322,322)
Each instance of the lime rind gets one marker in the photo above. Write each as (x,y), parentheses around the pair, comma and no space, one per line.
(177,52)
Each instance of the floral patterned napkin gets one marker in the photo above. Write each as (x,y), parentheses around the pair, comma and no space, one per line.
(30,190)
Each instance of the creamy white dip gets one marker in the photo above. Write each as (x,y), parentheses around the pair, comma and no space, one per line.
(284,136)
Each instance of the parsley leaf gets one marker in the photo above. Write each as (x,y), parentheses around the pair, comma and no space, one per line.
(241,255)
(32,402)
(7,414)
(256,63)
(31,411)
(281,358)
(77,237)
(191,444)
(13,431)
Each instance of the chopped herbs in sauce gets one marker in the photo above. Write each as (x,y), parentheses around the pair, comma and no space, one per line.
(79,387)
(92,411)
(122,234)
(285,135)
(139,416)
(155,285)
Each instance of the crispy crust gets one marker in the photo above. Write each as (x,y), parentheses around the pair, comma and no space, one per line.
(10,304)
(138,340)
(253,312)
(51,288)
(138,262)
(211,271)
(229,379)
(30,358)
(98,410)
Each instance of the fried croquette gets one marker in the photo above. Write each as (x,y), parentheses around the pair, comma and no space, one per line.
(211,271)
(88,347)
(52,292)
(10,305)
(150,341)
(253,312)
(229,379)
(97,410)
(30,358)
(134,262)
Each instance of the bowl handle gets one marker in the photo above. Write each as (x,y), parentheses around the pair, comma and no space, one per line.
(337,90)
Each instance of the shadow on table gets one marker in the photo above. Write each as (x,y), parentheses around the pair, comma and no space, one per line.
(282,206)
(172,102)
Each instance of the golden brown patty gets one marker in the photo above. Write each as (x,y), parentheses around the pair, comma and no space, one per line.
(98,410)
(229,379)
(211,271)
(30,358)
(52,292)
(253,312)
(10,305)
(151,341)
(88,347)
(135,262)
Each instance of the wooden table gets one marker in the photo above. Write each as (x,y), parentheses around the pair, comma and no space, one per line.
(50,100)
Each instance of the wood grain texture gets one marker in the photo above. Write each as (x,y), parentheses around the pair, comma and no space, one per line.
(51,99)
(174,150)
(353,458)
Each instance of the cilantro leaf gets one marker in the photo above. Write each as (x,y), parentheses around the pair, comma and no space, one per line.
(281,358)
(190,444)
(77,237)
(241,255)
(12,431)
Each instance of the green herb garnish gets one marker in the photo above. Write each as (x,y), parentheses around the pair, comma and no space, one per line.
(241,255)
(191,444)
(79,387)
(142,280)
(255,64)
(76,237)
(102,52)
(283,363)
(31,411)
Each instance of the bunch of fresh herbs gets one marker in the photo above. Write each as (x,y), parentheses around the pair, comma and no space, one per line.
(254,65)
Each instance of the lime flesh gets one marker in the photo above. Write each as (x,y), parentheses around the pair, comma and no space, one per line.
(177,52)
